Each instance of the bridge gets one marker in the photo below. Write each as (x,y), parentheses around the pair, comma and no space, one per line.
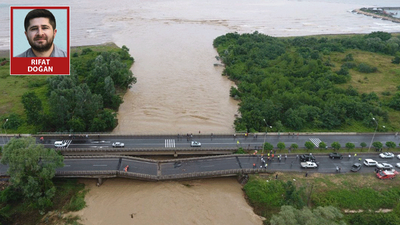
(93,157)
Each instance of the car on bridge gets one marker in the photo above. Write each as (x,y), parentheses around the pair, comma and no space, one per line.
(386,155)
(370,162)
(335,155)
(305,158)
(195,144)
(309,164)
(118,145)
(386,174)
(384,166)
(355,167)
(60,144)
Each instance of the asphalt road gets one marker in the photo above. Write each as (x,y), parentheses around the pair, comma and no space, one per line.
(208,164)
(216,141)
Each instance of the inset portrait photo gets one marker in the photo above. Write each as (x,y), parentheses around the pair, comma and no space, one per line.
(40,42)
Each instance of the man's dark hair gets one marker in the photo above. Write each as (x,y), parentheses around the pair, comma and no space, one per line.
(36,13)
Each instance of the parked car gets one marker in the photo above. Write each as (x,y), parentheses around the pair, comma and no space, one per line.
(370,162)
(384,166)
(195,144)
(335,155)
(386,174)
(386,155)
(398,156)
(398,165)
(305,158)
(118,145)
(355,167)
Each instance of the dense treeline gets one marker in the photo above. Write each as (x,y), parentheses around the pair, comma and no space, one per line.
(295,201)
(292,85)
(87,99)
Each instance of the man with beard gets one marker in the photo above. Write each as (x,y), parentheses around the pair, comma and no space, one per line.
(40,30)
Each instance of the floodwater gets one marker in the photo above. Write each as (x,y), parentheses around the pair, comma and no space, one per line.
(180,91)
(201,202)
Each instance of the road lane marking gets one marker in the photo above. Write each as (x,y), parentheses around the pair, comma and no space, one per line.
(170,143)
(99,165)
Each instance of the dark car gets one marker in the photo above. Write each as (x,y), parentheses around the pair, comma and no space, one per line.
(356,167)
(335,155)
(307,158)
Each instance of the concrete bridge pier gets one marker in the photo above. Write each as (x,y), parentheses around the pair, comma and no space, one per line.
(99,181)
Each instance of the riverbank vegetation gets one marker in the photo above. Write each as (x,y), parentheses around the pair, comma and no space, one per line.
(31,191)
(87,100)
(360,198)
(321,83)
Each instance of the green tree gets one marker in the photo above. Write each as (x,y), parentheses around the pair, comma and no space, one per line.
(281,145)
(390,144)
(322,145)
(293,196)
(350,146)
(320,215)
(33,107)
(31,169)
(309,145)
(295,146)
(396,59)
(336,145)
(268,146)
(363,144)
(394,102)
(378,145)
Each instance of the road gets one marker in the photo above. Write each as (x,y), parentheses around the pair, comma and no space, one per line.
(210,164)
(217,141)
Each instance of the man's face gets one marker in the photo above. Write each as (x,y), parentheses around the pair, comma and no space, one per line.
(40,34)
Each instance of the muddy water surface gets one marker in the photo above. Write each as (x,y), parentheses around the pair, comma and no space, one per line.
(201,202)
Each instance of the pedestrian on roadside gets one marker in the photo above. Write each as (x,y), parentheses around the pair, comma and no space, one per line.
(359,159)
(266,165)
(340,169)
(297,157)
(306,174)
(276,176)
(337,169)
(349,156)
(254,165)
(285,157)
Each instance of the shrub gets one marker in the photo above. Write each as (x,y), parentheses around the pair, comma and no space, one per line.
(365,68)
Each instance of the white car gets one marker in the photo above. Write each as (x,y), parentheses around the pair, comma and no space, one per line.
(60,144)
(398,165)
(384,166)
(195,144)
(398,156)
(386,155)
(370,162)
(118,145)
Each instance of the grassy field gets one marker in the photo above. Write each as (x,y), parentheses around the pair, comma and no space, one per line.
(13,87)
(351,192)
